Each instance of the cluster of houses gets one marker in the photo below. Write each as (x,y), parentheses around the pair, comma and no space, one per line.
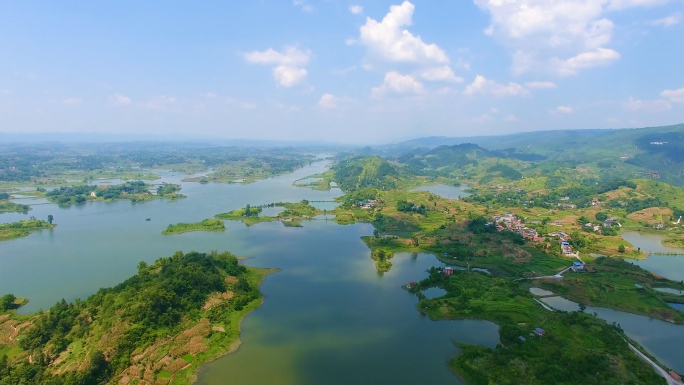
(537,332)
(511,222)
(368,204)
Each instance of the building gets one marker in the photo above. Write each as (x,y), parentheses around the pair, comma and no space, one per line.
(675,376)
(522,339)
(93,195)
(540,332)
(577,267)
(609,222)
(410,285)
(448,270)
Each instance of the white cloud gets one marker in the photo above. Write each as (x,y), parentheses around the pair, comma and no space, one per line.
(443,73)
(563,110)
(562,36)
(676,96)
(390,41)
(356,9)
(290,55)
(600,57)
(328,101)
(306,7)
(398,83)
(119,100)
(483,86)
(160,102)
(622,4)
(288,72)
(289,76)
(668,21)
(247,106)
(210,95)
(541,85)
(72,101)
(657,105)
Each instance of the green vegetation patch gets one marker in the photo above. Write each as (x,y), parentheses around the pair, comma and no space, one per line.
(151,325)
(205,225)
(571,348)
(22,228)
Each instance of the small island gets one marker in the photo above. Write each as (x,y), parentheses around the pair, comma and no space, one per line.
(10,207)
(135,191)
(205,225)
(157,327)
(291,216)
(22,228)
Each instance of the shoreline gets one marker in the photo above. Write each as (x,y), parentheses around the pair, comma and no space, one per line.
(195,368)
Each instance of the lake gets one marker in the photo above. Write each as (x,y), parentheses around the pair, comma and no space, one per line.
(445,191)
(328,316)
(669,266)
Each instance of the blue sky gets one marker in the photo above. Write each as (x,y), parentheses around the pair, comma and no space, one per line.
(359,72)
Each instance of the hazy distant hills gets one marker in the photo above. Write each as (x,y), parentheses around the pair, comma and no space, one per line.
(656,152)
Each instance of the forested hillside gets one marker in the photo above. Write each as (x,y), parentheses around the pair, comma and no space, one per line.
(171,316)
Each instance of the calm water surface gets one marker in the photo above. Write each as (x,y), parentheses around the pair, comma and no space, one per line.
(669,266)
(445,191)
(328,316)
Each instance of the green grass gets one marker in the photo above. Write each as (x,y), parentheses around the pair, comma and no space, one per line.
(164,374)
(205,225)
(188,358)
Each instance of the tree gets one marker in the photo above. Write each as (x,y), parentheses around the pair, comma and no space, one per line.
(621,249)
(247,211)
(582,307)
(7,302)
(50,218)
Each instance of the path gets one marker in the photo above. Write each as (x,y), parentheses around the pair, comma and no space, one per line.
(661,371)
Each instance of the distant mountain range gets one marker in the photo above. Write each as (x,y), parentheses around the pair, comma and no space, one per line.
(656,152)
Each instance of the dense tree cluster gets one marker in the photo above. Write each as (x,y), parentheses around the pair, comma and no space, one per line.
(154,301)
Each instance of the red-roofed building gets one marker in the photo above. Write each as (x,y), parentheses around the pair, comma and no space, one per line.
(675,376)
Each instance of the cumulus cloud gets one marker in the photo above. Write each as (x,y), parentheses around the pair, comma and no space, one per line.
(399,84)
(247,106)
(483,86)
(356,9)
(657,105)
(72,101)
(563,110)
(564,36)
(119,100)
(668,21)
(290,55)
(443,73)
(389,40)
(600,57)
(288,71)
(5,92)
(676,96)
(541,85)
(160,102)
(328,101)
(289,76)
